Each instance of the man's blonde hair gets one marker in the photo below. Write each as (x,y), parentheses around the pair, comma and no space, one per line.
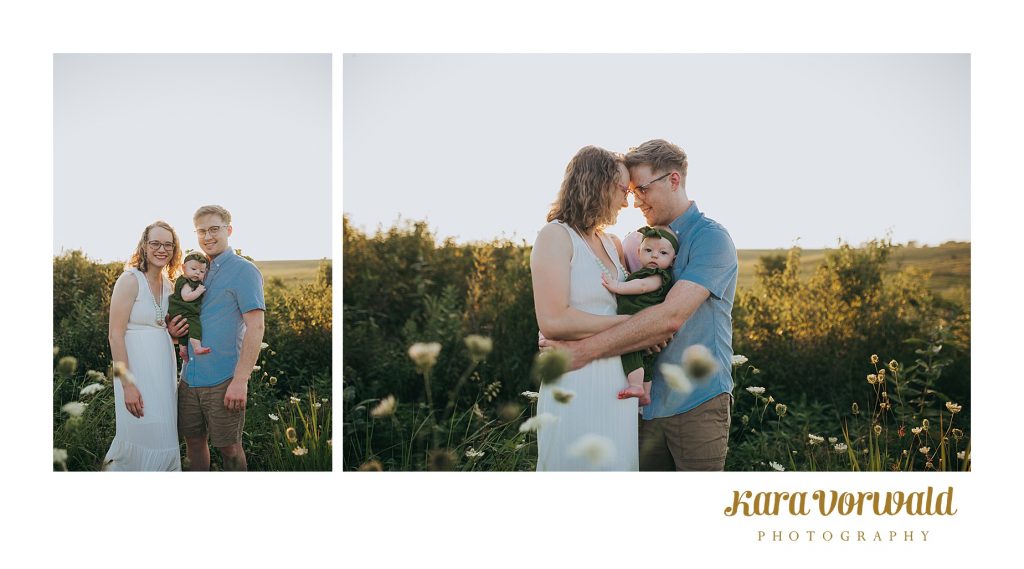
(212,209)
(587,198)
(660,155)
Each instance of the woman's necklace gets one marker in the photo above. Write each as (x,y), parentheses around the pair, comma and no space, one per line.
(156,305)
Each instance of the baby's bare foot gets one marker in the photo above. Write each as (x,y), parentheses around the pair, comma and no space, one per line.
(632,391)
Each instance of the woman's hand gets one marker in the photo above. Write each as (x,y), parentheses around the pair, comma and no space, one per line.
(133,400)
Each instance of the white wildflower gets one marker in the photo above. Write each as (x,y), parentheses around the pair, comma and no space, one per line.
(473,453)
(385,408)
(531,395)
(961,454)
(256,368)
(924,450)
(756,390)
(264,345)
(92,389)
(75,408)
(953,407)
(840,447)
(595,449)
(676,378)
(294,400)
(698,363)
(273,417)
(424,355)
(60,456)
(815,439)
(299,451)
(832,440)
(479,347)
(776,466)
(537,423)
(738,360)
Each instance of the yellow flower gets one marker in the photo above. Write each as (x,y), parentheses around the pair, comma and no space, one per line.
(872,378)
(424,355)
(958,434)
(878,430)
(953,407)
(385,408)
(924,424)
(291,435)
(894,365)
(781,409)
(855,409)
(874,358)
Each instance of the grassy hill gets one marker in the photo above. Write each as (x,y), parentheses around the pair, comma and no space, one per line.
(949,264)
(292,273)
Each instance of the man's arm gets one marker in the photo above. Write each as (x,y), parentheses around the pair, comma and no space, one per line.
(234,398)
(646,328)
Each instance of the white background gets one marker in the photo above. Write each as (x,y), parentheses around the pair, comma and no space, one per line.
(274,519)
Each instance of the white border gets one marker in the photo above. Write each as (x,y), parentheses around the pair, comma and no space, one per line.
(273,519)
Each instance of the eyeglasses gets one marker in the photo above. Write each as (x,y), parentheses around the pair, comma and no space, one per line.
(643,189)
(156,245)
(212,231)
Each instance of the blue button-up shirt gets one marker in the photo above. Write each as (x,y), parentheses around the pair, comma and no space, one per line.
(234,286)
(706,257)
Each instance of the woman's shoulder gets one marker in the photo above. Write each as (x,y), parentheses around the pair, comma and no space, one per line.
(555,230)
(127,282)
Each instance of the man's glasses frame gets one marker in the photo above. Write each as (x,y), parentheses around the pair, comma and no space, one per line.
(643,189)
(211,231)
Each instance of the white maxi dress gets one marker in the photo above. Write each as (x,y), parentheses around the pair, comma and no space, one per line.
(149,443)
(596,430)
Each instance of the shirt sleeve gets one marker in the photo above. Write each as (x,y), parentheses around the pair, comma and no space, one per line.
(712,262)
(249,293)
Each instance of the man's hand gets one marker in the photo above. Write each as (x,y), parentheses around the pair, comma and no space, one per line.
(656,348)
(234,398)
(572,346)
(177,327)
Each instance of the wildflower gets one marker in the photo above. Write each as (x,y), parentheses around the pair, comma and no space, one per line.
(744,419)
(56,350)
(371,466)
(756,390)
(771,399)
(330,443)
(324,399)
(916,430)
(531,395)
(815,439)
(755,371)
(874,358)
(509,412)
(537,423)
(776,466)
(60,456)
(92,389)
(961,454)
(924,450)
(264,345)
(272,381)
(479,347)
(676,378)
(317,405)
(473,453)
(299,451)
(74,409)
(781,409)
(67,365)
(294,400)
(256,368)
(738,360)
(95,376)
(424,355)
(924,424)
(595,449)
(958,434)
(273,417)
(855,409)
(894,365)
(884,405)
(885,395)
(872,378)
(291,435)
(519,446)
(562,395)
(385,408)
(121,371)
(698,363)
(840,447)
(832,440)
(441,460)
(551,365)
(953,407)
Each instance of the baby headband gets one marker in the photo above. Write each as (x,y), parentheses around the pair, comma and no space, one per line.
(195,256)
(656,232)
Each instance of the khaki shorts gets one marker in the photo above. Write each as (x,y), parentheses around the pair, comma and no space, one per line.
(695,440)
(201,413)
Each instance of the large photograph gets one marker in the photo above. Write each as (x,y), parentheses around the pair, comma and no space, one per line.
(191,268)
(657,262)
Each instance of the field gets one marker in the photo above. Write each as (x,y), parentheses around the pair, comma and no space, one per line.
(289,409)
(948,264)
(852,358)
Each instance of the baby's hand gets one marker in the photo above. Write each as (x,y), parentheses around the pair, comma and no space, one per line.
(200,288)
(608,282)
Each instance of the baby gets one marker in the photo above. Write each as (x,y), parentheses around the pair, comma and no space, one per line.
(187,299)
(645,287)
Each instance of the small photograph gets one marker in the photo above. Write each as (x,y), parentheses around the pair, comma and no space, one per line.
(191,269)
(657,263)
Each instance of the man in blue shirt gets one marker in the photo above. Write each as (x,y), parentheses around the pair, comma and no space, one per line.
(680,431)
(213,388)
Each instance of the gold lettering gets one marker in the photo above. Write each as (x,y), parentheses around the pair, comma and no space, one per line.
(737,502)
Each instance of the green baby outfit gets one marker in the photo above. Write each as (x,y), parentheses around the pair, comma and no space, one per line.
(631,304)
(188,308)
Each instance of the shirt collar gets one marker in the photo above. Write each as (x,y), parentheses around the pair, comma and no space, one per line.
(219,259)
(685,222)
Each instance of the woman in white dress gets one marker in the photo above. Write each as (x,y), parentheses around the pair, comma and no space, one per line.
(595,430)
(146,409)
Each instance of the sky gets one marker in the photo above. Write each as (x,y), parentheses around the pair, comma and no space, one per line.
(783,149)
(144,137)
